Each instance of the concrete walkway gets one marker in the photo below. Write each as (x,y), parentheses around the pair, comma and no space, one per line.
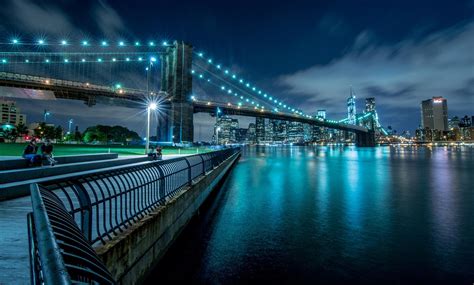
(14,258)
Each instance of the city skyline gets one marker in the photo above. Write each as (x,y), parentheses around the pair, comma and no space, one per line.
(377,58)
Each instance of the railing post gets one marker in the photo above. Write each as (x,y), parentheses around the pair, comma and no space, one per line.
(189,171)
(86,209)
(202,165)
(162,184)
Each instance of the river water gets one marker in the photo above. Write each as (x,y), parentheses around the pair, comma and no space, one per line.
(332,215)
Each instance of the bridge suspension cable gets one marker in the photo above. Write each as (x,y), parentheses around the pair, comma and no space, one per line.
(251,88)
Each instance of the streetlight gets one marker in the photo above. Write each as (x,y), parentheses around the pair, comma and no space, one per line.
(70,126)
(152,106)
(217,135)
(46,113)
(148,69)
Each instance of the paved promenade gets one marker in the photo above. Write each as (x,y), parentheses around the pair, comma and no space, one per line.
(14,258)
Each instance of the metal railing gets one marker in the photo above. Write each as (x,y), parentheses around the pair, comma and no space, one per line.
(59,252)
(72,214)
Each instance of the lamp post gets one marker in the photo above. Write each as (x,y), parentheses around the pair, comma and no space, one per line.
(70,125)
(46,113)
(151,106)
(148,70)
(217,135)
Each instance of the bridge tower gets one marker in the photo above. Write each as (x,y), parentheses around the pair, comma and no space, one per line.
(176,124)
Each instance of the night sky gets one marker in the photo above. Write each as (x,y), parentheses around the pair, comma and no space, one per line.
(306,53)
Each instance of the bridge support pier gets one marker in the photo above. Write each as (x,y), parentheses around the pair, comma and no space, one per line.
(365,139)
(176,124)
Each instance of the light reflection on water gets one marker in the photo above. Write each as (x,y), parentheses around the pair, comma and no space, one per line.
(327,214)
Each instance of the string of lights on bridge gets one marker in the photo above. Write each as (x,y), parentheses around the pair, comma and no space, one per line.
(251,88)
(48,60)
(84,43)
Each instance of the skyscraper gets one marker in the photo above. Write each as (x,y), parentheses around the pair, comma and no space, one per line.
(295,132)
(369,104)
(351,107)
(434,114)
(260,129)
(226,126)
(321,114)
(251,138)
(269,130)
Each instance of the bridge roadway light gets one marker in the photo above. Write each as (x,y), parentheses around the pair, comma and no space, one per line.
(15,41)
(152,106)
(41,42)
(63,42)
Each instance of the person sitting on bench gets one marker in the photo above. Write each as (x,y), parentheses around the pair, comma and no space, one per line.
(159,155)
(29,153)
(47,152)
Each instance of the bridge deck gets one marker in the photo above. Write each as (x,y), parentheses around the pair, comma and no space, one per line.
(229,109)
(14,258)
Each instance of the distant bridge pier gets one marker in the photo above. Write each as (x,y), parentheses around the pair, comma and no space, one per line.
(365,139)
(176,123)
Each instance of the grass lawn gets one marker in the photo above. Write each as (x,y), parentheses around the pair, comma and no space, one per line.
(16,149)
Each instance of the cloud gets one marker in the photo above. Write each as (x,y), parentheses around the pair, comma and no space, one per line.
(30,16)
(108,20)
(399,75)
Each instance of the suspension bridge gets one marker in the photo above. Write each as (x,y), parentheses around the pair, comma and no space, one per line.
(135,73)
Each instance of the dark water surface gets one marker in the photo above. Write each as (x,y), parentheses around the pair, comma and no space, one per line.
(334,215)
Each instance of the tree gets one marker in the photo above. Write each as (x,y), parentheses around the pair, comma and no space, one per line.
(58,133)
(45,131)
(11,134)
(22,129)
(108,134)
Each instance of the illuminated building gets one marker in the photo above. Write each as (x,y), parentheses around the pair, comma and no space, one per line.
(351,108)
(434,114)
(10,114)
(251,137)
(226,127)
(369,104)
(295,132)
(321,114)
(259,129)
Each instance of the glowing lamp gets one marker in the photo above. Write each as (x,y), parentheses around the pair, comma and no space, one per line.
(152,106)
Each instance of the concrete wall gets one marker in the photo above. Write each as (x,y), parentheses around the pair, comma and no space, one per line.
(131,256)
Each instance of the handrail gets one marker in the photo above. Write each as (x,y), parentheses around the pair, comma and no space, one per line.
(48,251)
(59,252)
(71,215)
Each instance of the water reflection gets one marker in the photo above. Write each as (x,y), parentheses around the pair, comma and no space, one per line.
(333,214)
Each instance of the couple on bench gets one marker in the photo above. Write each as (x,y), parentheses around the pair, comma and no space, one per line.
(34,159)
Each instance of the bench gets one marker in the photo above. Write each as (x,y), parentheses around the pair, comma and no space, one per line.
(15,183)
(19,162)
